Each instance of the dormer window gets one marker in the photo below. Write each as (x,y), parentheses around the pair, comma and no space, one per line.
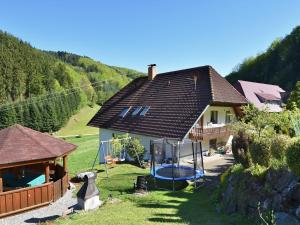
(136,110)
(124,112)
(145,110)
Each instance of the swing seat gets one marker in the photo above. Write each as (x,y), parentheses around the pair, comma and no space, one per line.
(110,160)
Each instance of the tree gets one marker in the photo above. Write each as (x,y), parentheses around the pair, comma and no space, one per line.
(7,116)
(294,99)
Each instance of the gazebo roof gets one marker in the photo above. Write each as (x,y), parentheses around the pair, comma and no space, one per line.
(20,144)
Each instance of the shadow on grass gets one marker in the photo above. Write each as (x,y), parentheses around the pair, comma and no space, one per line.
(195,207)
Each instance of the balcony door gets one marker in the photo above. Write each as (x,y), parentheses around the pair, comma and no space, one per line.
(214,117)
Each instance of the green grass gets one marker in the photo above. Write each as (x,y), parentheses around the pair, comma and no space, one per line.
(158,207)
(77,123)
(83,157)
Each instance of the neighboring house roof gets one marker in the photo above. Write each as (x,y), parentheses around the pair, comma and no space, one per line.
(175,103)
(20,144)
(258,93)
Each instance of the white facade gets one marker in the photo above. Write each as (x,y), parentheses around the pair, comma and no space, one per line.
(221,116)
(106,134)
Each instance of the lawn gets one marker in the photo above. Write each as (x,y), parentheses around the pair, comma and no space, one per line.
(77,123)
(158,207)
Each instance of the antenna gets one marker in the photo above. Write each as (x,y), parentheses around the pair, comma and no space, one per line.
(195,81)
(195,78)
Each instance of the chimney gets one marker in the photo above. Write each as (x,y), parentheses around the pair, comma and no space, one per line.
(151,71)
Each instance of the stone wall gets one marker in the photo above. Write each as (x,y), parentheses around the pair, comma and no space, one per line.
(276,190)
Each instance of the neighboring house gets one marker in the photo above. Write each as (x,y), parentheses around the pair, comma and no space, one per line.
(263,96)
(194,103)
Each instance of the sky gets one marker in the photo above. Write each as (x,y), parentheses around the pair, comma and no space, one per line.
(174,34)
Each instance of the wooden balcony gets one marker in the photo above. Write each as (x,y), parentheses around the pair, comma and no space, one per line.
(210,133)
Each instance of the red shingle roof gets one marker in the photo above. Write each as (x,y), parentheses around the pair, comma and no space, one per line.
(252,91)
(21,144)
(175,104)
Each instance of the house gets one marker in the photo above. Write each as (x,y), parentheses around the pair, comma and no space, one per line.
(195,103)
(30,175)
(263,96)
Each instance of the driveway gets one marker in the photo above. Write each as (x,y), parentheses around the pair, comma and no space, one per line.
(214,166)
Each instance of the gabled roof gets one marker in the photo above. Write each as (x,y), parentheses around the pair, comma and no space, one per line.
(175,104)
(20,144)
(255,92)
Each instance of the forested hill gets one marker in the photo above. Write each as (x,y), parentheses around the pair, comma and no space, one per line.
(280,64)
(42,90)
(26,71)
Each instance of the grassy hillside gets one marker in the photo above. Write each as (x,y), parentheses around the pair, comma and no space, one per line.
(77,123)
(280,64)
(26,71)
(37,87)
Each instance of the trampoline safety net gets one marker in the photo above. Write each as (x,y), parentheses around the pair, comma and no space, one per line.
(176,160)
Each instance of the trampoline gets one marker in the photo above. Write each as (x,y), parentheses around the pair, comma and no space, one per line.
(176,161)
(176,173)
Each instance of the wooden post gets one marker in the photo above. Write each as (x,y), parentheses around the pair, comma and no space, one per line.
(47,172)
(65,163)
(1,183)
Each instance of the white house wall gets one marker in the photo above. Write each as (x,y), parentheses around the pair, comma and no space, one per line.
(221,115)
(106,134)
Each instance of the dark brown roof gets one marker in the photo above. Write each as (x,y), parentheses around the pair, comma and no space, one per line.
(20,144)
(175,104)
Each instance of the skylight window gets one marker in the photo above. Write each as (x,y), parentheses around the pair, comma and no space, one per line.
(136,110)
(124,111)
(145,110)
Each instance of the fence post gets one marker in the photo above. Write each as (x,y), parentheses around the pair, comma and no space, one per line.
(1,185)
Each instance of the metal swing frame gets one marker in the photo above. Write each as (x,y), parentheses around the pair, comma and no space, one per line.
(105,153)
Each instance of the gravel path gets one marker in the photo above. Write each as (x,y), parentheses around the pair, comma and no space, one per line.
(43,214)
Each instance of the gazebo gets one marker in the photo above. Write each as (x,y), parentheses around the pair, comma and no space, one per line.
(33,169)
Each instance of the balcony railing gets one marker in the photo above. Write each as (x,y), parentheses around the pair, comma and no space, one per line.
(209,133)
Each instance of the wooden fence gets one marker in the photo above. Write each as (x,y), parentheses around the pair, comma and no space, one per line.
(19,200)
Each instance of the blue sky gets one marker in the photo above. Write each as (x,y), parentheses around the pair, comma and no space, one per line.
(174,34)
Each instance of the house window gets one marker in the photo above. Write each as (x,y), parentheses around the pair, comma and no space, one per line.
(213,144)
(228,117)
(136,110)
(145,110)
(124,111)
(214,117)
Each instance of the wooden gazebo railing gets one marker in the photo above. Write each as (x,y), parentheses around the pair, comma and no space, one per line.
(19,200)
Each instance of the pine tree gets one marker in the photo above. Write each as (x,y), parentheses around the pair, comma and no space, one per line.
(294,97)
(35,120)
(7,116)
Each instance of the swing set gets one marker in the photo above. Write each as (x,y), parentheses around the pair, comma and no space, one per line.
(113,151)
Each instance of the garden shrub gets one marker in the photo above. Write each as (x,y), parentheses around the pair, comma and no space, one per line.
(279,145)
(278,164)
(240,149)
(293,157)
(135,150)
(257,170)
(260,150)
(237,168)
